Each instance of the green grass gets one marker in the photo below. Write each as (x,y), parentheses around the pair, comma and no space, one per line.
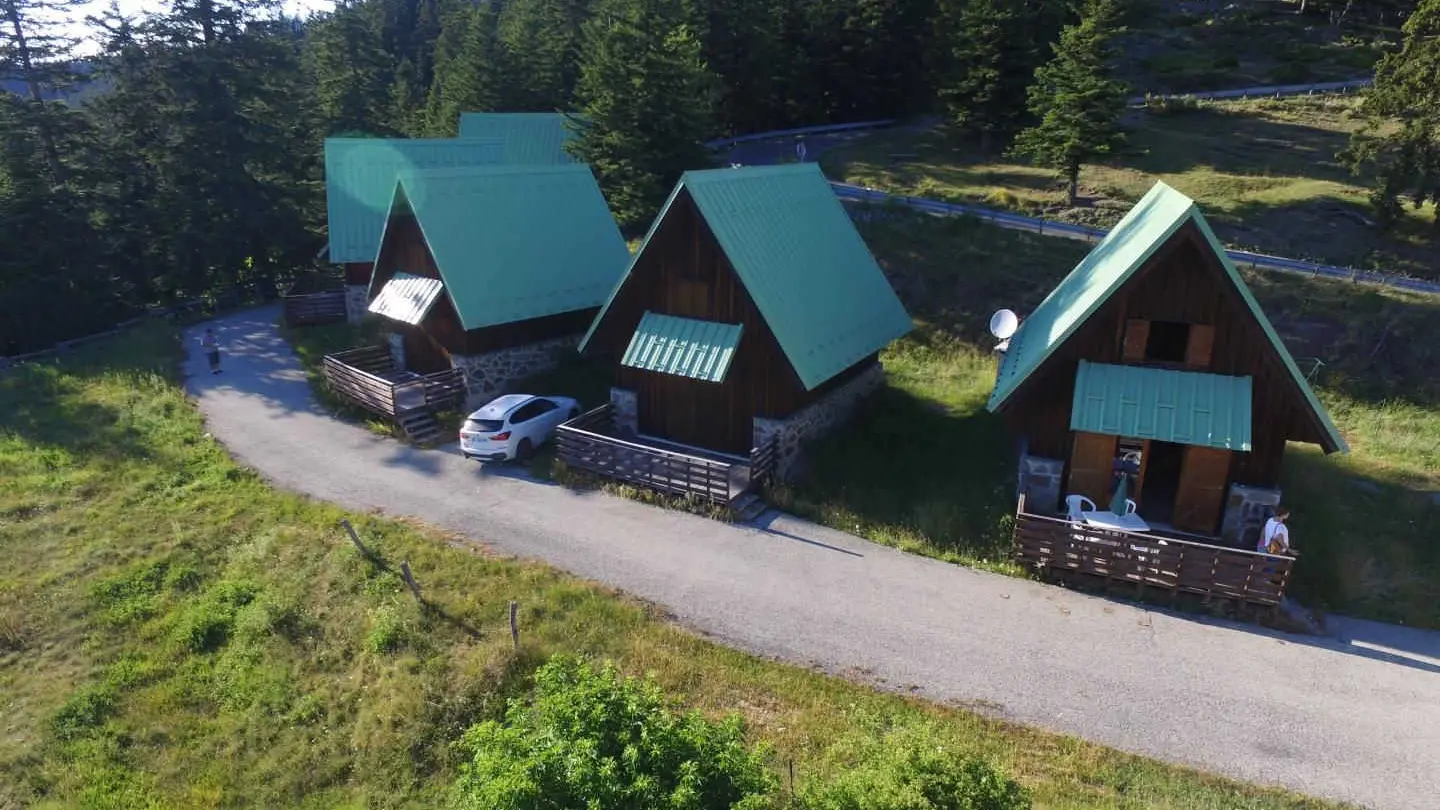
(1246,45)
(1265,173)
(175,634)
(926,468)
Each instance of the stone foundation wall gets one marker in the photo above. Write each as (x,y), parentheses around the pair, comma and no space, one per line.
(356,302)
(396,342)
(491,374)
(1040,482)
(626,411)
(812,421)
(1246,510)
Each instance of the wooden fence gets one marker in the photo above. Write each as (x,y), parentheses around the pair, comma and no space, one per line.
(1153,566)
(367,377)
(581,443)
(314,308)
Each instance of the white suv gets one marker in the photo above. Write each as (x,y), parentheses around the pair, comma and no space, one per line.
(513,425)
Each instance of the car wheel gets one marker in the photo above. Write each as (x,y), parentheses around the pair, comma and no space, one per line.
(522,450)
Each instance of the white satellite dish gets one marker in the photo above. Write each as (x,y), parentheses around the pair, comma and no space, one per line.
(1003,324)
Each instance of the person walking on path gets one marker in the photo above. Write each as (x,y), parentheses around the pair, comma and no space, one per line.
(212,350)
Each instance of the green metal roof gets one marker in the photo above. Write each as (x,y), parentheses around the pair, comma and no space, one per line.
(1147,227)
(684,347)
(529,138)
(407,298)
(516,242)
(1185,407)
(795,249)
(360,182)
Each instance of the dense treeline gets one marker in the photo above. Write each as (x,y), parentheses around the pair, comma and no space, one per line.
(198,166)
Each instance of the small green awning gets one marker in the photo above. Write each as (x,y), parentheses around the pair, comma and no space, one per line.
(684,347)
(1185,407)
(406,298)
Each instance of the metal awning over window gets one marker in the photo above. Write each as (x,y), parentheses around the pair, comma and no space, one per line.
(685,347)
(407,298)
(1184,407)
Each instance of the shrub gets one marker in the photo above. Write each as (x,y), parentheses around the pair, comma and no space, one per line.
(88,708)
(1171,105)
(206,625)
(910,769)
(595,739)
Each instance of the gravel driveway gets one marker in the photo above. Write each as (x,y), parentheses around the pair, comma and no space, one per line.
(1355,719)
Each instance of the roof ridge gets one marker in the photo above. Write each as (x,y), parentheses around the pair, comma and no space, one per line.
(744,172)
(496,169)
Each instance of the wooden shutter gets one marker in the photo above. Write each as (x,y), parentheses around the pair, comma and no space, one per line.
(1204,477)
(1092,467)
(1137,334)
(1200,346)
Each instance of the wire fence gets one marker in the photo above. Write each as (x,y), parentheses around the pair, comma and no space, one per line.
(1045,227)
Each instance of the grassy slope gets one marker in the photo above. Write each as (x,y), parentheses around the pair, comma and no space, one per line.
(173,633)
(1172,49)
(925,467)
(1265,173)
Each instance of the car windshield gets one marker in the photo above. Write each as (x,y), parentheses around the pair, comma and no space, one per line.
(483,425)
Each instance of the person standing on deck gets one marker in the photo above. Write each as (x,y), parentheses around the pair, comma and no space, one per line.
(1275,537)
(212,350)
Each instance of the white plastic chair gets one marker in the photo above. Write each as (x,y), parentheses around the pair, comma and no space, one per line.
(1130,507)
(1075,504)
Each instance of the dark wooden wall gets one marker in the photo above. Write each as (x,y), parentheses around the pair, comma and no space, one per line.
(358,272)
(1185,282)
(405,250)
(684,273)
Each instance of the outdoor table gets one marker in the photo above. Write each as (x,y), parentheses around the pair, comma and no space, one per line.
(1105,519)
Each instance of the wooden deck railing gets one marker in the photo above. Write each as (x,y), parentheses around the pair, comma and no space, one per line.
(583,443)
(1152,565)
(313,308)
(763,460)
(365,376)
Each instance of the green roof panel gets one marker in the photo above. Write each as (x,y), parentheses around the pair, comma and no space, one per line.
(360,182)
(407,298)
(797,252)
(516,242)
(685,347)
(1143,230)
(528,138)
(1184,407)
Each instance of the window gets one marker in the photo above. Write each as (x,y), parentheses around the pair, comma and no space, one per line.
(531,409)
(1167,342)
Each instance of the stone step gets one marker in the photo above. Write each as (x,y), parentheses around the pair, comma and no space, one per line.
(747,507)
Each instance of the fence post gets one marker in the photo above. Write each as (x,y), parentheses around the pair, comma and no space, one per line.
(410,580)
(514,626)
(355,537)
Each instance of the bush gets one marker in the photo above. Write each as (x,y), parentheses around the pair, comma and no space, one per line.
(1171,105)
(593,739)
(910,769)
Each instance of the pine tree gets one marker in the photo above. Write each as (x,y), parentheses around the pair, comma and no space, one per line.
(349,67)
(468,72)
(35,48)
(648,103)
(989,61)
(541,41)
(1405,160)
(406,93)
(1078,104)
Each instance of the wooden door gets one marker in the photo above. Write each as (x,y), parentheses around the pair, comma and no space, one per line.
(1092,467)
(1204,476)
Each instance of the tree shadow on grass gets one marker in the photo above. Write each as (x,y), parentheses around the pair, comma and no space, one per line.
(1237,141)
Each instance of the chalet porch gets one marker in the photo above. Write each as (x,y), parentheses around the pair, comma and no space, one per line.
(1150,565)
(592,442)
(368,378)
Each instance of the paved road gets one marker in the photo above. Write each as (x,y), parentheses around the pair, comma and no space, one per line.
(1358,721)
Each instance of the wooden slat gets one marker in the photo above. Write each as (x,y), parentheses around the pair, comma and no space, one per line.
(1145,561)
(321,307)
(580,445)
